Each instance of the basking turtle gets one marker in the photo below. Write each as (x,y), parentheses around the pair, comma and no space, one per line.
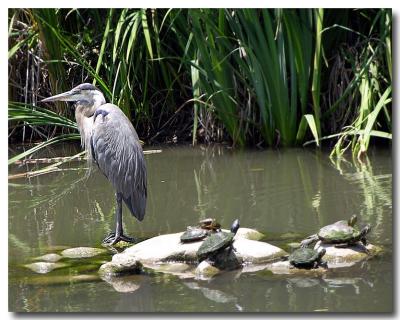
(194,234)
(210,224)
(217,242)
(202,230)
(342,233)
(307,258)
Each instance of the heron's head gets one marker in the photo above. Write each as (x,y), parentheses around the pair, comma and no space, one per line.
(85,93)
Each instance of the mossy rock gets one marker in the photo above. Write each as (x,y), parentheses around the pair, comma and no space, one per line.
(205,271)
(337,257)
(45,267)
(126,266)
(50,257)
(82,252)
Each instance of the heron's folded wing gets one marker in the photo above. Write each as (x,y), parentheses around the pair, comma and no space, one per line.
(118,153)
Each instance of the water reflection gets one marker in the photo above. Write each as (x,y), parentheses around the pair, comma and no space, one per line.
(286,194)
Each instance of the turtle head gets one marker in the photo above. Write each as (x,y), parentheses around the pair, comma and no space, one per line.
(352,221)
(235,226)
(321,253)
(365,230)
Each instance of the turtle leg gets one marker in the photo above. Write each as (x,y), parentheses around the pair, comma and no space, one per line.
(323,264)
(364,241)
(309,240)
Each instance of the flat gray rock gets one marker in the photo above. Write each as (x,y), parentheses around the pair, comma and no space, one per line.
(45,267)
(82,252)
(169,248)
(252,251)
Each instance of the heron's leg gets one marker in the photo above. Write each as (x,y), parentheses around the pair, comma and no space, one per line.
(113,238)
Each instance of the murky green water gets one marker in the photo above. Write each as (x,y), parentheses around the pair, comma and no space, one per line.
(285,194)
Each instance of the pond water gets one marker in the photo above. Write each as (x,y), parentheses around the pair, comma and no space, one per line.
(286,194)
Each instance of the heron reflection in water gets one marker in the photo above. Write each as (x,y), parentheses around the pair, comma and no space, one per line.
(113,145)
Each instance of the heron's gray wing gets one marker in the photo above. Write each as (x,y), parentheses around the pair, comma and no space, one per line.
(116,149)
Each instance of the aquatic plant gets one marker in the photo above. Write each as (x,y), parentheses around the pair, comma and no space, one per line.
(265,77)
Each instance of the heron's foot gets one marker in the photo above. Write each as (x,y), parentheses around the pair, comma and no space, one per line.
(112,239)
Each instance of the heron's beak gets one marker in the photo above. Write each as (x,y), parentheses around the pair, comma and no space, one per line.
(66,96)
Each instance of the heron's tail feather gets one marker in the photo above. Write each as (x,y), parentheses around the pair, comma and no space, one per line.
(136,205)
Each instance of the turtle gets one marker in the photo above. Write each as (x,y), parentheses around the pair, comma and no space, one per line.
(306,258)
(342,233)
(193,234)
(210,224)
(202,230)
(217,242)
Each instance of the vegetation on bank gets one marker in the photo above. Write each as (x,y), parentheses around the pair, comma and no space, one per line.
(264,77)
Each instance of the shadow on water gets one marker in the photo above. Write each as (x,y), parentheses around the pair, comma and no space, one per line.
(285,194)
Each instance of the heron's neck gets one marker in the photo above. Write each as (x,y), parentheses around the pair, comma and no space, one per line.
(83,114)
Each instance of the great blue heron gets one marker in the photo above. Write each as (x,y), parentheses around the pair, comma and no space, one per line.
(112,143)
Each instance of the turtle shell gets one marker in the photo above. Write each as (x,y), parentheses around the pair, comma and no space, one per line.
(214,243)
(338,232)
(303,257)
(193,234)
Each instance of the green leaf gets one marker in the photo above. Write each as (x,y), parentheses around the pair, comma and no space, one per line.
(307,120)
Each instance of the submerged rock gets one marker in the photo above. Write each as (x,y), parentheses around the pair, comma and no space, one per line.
(65,279)
(82,252)
(45,267)
(50,257)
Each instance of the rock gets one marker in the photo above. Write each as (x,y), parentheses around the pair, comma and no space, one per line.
(250,234)
(53,248)
(169,248)
(182,270)
(128,265)
(82,252)
(172,267)
(251,251)
(345,257)
(45,267)
(205,270)
(162,248)
(284,267)
(65,279)
(50,257)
